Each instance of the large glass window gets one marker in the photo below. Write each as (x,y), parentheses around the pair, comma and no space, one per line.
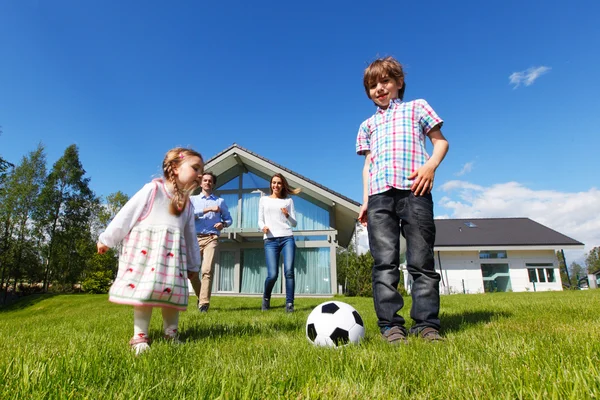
(254,272)
(313,272)
(310,216)
(492,254)
(226,271)
(233,184)
(250,202)
(540,272)
(232,204)
(496,278)
(253,181)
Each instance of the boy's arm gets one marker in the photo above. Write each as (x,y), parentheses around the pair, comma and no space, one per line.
(362,214)
(423,177)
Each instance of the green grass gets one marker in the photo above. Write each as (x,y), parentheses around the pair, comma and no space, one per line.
(503,345)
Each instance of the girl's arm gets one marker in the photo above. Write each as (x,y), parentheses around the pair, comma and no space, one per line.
(126,218)
(191,243)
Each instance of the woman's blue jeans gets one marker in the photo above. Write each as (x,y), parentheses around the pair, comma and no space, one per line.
(285,246)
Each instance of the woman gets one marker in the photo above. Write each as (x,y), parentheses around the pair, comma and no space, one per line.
(276,218)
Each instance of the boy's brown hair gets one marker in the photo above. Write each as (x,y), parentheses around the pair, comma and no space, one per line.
(387,66)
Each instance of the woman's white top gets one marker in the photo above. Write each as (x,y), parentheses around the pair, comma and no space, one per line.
(271,216)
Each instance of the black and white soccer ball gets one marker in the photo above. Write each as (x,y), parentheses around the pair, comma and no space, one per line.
(334,324)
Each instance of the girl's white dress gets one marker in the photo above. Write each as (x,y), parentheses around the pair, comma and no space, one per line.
(158,250)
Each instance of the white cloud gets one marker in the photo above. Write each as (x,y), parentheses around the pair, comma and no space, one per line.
(576,215)
(528,76)
(468,167)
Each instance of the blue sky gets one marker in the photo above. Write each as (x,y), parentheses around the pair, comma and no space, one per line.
(515,82)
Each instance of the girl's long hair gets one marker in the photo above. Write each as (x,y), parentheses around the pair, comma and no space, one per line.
(173,159)
(285,187)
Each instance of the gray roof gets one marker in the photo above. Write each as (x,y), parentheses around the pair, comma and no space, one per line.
(498,232)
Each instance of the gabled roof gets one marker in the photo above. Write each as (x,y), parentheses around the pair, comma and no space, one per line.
(499,233)
(235,156)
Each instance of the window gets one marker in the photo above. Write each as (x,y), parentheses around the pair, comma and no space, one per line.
(496,277)
(491,254)
(541,272)
(232,184)
(252,181)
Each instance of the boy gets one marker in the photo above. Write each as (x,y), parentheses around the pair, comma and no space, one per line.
(397,181)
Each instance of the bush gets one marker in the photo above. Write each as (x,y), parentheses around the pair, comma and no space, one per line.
(97,282)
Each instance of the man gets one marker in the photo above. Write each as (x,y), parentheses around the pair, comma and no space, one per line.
(211,216)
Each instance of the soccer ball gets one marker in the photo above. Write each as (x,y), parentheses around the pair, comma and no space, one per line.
(334,324)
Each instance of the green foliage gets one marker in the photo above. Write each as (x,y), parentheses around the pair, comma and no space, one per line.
(577,271)
(101,271)
(500,346)
(64,217)
(97,282)
(18,203)
(592,260)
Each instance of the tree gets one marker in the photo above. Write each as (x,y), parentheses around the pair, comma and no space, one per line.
(567,279)
(63,218)
(22,189)
(592,260)
(577,272)
(4,166)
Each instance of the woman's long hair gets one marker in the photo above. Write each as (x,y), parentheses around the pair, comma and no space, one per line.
(285,187)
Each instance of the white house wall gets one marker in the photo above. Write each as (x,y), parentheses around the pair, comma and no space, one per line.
(461,270)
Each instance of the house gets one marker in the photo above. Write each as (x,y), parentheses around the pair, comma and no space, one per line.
(497,254)
(472,255)
(326,220)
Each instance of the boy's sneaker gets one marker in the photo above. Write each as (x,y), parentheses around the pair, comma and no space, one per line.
(139,344)
(430,334)
(266,304)
(394,335)
(203,308)
(289,307)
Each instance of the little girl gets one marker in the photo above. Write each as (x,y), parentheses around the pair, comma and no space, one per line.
(157,229)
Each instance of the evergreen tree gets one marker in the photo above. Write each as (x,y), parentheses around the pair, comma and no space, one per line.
(63,219)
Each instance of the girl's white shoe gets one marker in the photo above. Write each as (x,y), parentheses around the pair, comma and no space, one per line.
(139,344)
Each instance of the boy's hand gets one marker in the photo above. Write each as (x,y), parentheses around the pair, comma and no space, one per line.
(423,180)
(102,248)
(218,226)
(362,215)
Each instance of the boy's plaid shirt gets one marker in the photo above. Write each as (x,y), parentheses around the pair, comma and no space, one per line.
(396,139)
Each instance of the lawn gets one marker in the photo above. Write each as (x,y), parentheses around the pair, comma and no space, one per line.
(501,345)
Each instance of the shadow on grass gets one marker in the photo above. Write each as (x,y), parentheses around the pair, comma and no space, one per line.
(203,332)
(257,307)
(24,302)
(468,319)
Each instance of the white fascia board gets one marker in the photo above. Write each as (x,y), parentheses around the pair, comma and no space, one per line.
(293,179)
(484,248)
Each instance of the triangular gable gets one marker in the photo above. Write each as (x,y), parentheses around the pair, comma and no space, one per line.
(228,163)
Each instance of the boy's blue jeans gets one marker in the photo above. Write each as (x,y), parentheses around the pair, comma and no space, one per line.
(390,214)
(285,246)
